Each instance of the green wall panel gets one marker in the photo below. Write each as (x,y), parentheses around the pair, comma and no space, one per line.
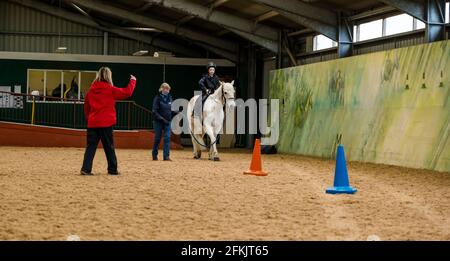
(391,107)
(183,79)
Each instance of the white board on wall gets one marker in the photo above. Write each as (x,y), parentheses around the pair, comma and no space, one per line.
(5,98)
(18,100)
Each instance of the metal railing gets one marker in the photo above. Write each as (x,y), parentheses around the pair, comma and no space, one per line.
(66,113)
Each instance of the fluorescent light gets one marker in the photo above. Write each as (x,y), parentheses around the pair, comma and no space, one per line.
(162,54)
(144,29)
(140,53)
(61,49)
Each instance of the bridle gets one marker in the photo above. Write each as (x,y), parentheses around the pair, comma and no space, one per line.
(225,99)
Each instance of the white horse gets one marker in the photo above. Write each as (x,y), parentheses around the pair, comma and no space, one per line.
(212,118)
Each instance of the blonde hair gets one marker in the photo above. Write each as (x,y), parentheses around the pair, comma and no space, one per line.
(104,75)
(164,84)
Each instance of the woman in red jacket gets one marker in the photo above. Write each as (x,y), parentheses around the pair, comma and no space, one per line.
(100,111)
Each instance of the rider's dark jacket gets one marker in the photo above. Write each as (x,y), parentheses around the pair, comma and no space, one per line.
(209,83)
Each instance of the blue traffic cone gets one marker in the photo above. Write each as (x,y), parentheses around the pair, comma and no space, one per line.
(341,183)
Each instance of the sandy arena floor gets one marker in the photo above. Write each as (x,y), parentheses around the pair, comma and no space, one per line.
(42,197)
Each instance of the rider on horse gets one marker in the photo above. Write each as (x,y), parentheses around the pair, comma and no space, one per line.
(208,84)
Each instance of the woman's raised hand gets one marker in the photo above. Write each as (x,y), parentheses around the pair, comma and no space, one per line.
(132,77)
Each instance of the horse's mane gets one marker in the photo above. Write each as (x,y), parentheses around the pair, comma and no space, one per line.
(218,91)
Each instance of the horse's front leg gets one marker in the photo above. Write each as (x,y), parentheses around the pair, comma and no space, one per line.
(196,147)
(213,154)
(216,132)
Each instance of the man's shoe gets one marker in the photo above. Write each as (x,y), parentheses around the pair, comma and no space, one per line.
(113,173)
(168,159)
(85,173)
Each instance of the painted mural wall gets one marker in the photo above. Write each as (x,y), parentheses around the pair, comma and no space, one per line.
(390,107)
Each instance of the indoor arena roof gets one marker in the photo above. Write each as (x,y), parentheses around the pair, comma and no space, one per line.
(213,25)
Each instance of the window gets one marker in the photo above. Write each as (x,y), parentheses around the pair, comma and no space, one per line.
(387,26)
(399,24)
(379,28)
(58,85)
(36,82)
(322,42)
(370,30)
(70,84)
(419,24)
(447,10)
(86,80)
(53,84)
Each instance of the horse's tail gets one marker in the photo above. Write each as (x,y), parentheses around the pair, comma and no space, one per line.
(190,110)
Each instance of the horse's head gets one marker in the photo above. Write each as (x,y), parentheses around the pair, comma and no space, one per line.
(229,94)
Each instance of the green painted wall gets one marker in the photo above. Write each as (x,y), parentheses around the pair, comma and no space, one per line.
(391,107)
(183,78)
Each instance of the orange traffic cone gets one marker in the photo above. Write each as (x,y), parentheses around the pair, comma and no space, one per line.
(256,166)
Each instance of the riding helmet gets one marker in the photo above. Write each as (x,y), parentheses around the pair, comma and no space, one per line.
(211,64)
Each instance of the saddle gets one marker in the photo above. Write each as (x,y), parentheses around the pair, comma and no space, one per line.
(197,112)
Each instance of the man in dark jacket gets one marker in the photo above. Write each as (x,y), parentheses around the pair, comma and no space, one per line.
(208,84)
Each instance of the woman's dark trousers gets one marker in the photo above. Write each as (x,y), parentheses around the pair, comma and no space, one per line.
(94,135)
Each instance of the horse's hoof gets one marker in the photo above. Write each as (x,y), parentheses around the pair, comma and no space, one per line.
(216,159)
(196,157)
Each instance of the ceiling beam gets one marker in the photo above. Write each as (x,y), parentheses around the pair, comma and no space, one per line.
(266,16)
(81,19)
(185,19)
(141,29)
(80,10)
(222,32)
(212,5)
(217,3)
(143,8)
(301,32)
(373,13)
(320,20)
(163,26)
(230,56)
(325,29)
(303,9)
(257,19)
(413,8)
(266,43)
(218,17)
